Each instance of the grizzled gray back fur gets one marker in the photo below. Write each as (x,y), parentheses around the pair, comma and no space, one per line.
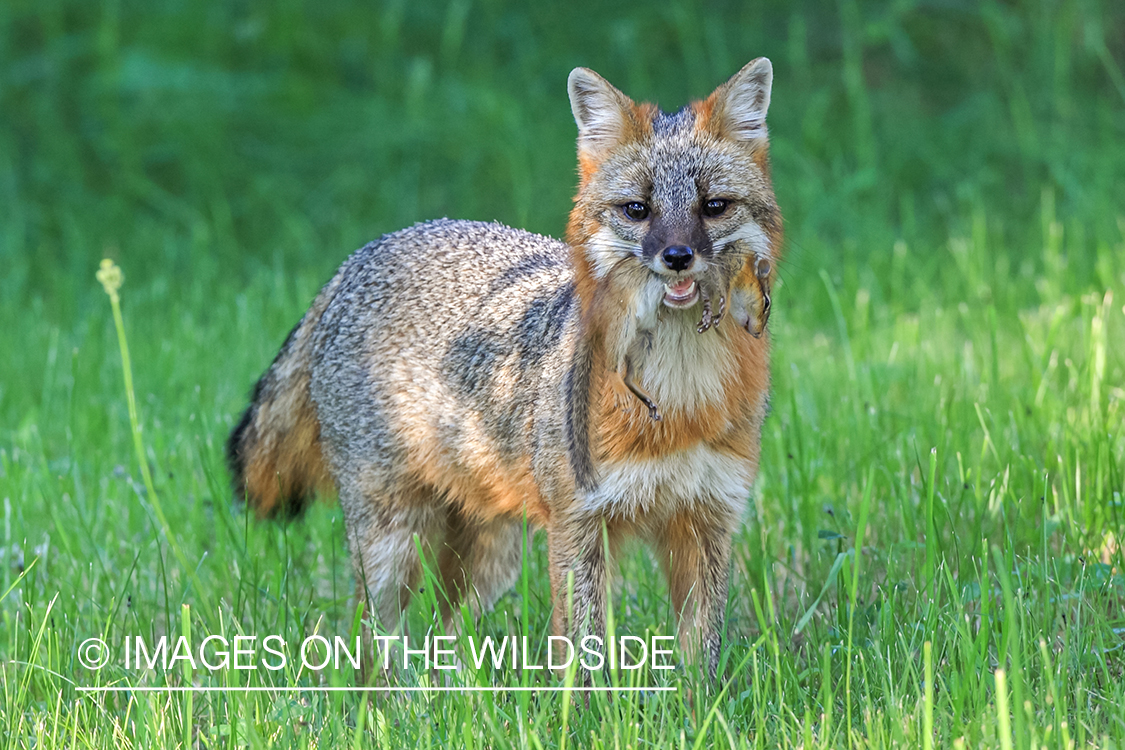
(433,322)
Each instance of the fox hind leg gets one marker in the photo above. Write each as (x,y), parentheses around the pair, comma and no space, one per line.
(387,536)
(581,550)
(478,561)
(388,565)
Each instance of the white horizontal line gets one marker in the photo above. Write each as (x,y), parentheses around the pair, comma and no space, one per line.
(441,689)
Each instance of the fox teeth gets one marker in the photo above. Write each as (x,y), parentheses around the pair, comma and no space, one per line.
(680,295)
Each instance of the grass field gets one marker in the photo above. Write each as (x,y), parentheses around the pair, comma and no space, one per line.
(934,554)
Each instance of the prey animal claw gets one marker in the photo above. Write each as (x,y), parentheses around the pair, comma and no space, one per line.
(710,317)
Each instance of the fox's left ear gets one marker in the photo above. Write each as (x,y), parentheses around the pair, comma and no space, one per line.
(603,114)
(738,107)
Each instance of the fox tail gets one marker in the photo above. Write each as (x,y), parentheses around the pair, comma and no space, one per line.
(274,453)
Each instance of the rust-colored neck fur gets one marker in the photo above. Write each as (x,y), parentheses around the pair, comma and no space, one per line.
(614,423)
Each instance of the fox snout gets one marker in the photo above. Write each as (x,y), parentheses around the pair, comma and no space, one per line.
(675,243)
(678,257)
(678,252)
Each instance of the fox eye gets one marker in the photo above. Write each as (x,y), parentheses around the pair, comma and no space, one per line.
(635,210)
(715,207)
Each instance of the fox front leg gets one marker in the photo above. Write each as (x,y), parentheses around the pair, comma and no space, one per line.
(694,551)
(578,559)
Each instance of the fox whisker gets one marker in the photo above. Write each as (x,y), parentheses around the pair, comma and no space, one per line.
(630,248)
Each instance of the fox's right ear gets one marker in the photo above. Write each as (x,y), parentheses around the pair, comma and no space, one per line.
(603,113)
(739,106)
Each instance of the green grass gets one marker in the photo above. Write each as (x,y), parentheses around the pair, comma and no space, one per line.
(943,470)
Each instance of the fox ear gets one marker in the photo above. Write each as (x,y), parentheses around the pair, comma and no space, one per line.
(739,106)
(603,113)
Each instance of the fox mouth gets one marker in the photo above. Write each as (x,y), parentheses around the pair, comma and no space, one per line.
(681,294)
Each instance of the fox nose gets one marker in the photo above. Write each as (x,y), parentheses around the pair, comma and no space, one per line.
(677,257)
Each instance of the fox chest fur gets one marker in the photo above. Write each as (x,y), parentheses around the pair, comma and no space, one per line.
(712,391)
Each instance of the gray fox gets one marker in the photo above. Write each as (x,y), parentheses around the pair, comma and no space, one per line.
(455,377)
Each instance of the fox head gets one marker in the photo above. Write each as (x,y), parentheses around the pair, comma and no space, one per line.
(673,211)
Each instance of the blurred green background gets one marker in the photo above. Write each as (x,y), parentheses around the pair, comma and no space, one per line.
(207,140)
